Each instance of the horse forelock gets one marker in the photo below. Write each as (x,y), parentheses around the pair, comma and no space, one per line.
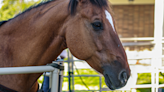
(100,3)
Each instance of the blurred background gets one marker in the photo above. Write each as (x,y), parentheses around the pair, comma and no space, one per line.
(139,24)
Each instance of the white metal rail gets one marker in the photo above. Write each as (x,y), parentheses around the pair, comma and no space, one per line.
(26,69)
(35,69)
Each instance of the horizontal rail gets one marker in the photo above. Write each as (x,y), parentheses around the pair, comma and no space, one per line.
(143,86)
(25,70)
(137,39)
(86,76)
(139,58)
(137,43)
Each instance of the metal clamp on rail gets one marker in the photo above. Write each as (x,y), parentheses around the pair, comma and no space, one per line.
(56,66)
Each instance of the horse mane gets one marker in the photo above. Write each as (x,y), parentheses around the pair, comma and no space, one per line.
(71,7)
(73,4)
(2,22)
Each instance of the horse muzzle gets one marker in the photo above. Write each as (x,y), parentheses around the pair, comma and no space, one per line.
(115,80)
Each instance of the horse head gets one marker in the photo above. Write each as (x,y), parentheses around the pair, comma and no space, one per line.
(91,36)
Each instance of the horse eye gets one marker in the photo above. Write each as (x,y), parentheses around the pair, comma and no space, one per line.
(97,26)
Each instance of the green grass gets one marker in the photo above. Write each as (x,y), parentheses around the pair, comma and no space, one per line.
(144,78)
(144,90)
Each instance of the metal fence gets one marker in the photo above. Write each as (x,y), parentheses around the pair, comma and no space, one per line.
(153,69)
(35,69)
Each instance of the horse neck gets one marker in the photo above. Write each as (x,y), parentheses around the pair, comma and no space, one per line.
(32,38)
(35,37)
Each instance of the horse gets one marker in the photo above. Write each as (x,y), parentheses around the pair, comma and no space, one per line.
(39,34)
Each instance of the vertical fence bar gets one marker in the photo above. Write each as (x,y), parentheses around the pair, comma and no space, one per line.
(69,79)
(72,69)
(157,80)
(50,80)
(158,34)
(153,80)
(69,75)
(61,76)
(100,81)
(55,80)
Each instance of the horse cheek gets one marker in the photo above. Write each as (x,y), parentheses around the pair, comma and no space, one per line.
(78,43)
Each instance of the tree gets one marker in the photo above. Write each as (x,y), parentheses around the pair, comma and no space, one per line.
(11,8)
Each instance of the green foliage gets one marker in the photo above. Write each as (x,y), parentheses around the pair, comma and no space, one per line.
(144,78)
(144,90)
(86,72)
(91,82)
(40,80)
(161,79)
(11,8)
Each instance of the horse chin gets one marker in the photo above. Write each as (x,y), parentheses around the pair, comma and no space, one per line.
(109,82)
(114,79)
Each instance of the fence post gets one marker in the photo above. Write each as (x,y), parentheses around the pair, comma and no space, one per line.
(158,35)
(158,31)
(55,77)
(70,72)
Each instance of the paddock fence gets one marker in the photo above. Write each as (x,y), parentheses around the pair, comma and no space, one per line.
(53,69)
(145,60)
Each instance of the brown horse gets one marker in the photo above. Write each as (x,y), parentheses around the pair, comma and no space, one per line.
(42,32)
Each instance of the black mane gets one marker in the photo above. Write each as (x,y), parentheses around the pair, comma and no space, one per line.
(71,7)
(73,4)
(2,22)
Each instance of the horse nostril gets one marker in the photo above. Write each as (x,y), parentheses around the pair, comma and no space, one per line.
(123,77)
